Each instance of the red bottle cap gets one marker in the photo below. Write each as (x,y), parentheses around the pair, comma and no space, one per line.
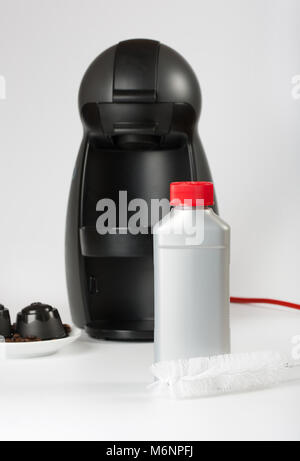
(187,193)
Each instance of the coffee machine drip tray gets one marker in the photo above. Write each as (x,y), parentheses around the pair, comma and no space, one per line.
(137,330)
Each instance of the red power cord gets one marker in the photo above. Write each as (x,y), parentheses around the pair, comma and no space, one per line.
(264,301)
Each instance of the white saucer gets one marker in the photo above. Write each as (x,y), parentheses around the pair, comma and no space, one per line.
(37,349)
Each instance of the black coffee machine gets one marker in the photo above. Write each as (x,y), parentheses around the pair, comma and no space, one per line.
(139,103)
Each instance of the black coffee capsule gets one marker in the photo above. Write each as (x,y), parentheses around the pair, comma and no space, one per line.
(5,323)
(41,321)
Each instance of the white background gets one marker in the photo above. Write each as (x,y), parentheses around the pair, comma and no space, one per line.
(245,54)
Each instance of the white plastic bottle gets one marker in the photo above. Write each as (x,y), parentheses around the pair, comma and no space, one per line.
(191,267)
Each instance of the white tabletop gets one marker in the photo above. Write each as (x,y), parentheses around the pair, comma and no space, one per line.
(97,391)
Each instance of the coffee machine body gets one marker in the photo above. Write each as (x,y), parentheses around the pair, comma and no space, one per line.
(139,103)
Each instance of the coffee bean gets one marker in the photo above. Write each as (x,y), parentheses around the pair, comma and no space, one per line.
(17,338)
